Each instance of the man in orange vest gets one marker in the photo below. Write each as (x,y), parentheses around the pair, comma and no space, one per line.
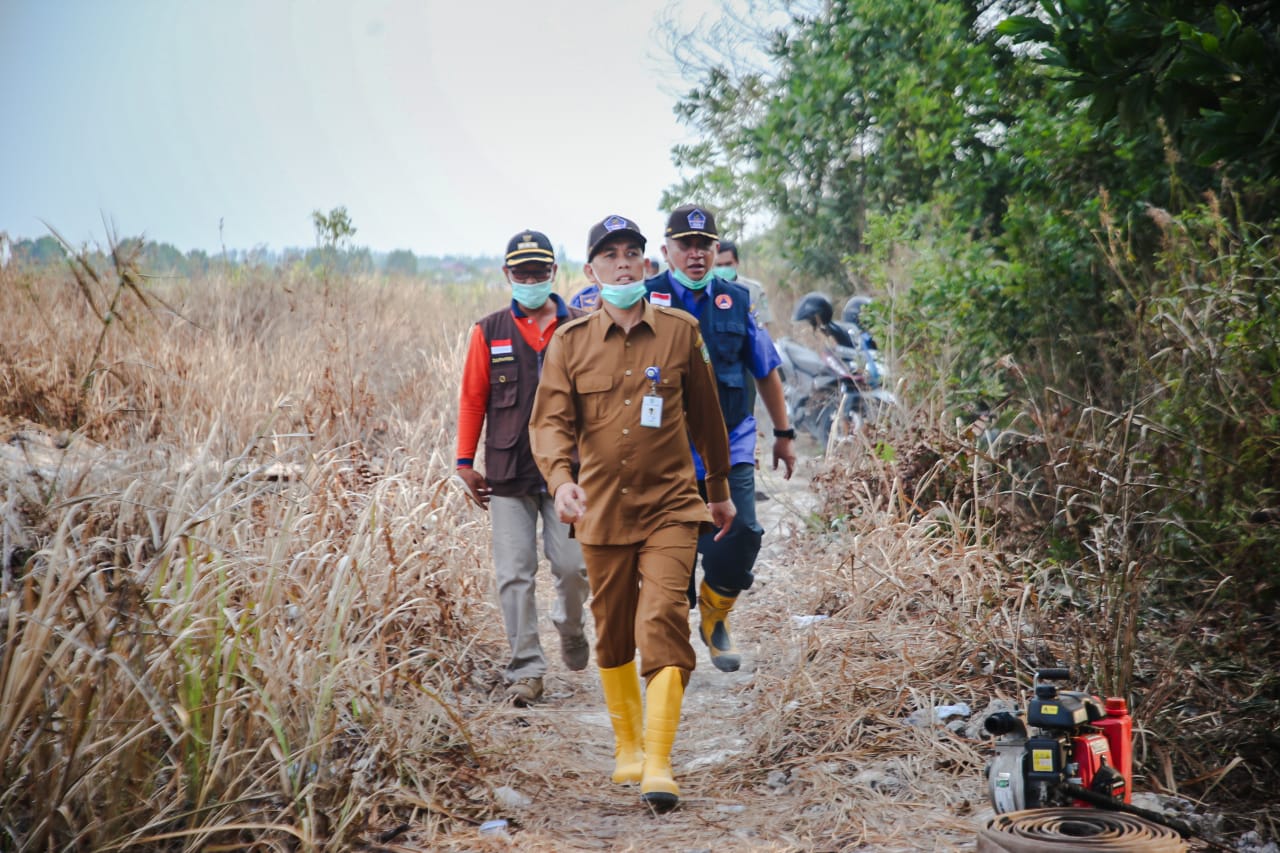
(499,379)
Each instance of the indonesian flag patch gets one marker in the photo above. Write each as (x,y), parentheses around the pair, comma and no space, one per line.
(500,347)
(660,299)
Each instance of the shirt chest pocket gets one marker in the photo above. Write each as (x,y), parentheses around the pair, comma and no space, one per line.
(503,386)
(593,389)
(729,337)
(670,388)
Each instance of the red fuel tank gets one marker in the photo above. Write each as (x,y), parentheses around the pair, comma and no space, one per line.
(1118,728)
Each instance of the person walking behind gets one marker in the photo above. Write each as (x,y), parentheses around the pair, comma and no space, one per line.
(628,386)
(726,268)
(499,380)
(738,346)
(727,262)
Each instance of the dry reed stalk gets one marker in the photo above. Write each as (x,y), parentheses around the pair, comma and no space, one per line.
(219,655)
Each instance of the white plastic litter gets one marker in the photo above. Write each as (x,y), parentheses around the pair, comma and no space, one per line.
(937,714)
(511,798)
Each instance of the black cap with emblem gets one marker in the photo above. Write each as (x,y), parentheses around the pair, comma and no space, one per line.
(611,226)
(529,246)
(689,220)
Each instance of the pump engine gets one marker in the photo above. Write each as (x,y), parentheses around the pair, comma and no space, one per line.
(1072,749)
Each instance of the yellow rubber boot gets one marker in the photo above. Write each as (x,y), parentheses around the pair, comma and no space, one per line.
(662,716)
(622,698)
(713,609)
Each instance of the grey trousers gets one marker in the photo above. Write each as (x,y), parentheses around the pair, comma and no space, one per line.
(515,563)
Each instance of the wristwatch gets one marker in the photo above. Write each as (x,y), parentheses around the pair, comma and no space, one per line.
(785,433)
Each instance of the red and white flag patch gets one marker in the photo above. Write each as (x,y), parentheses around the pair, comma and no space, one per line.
(660,299)
(500,347)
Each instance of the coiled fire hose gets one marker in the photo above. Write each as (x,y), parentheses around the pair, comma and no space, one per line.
(1069,829)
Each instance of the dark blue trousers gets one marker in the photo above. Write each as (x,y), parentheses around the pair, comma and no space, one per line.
(727,565)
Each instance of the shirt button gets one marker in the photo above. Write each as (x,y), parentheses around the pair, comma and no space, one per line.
(625,490)
(626,402)
(626,432)
(628,373)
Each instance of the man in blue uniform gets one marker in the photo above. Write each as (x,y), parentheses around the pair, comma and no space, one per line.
(737,346)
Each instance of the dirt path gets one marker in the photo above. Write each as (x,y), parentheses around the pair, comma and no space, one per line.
(561,751)
(839,763)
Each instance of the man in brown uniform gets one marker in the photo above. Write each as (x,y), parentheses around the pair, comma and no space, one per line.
(626,385)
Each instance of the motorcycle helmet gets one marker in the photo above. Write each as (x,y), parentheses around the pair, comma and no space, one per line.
(814,308)
(853,308)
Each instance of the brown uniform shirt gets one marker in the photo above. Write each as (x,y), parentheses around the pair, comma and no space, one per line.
(637,478)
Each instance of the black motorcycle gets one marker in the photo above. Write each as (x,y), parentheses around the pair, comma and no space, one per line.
(836,391)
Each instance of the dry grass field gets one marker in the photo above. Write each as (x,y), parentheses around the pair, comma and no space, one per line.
(245,606)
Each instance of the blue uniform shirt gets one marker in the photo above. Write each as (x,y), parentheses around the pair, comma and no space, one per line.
(763,359)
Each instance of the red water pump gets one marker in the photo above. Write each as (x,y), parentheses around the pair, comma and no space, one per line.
(1071,750)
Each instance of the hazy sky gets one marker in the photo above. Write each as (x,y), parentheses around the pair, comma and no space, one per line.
(443,126)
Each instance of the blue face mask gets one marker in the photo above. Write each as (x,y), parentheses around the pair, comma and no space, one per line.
(531,296)
(688,282)
(622,295)
(726,273)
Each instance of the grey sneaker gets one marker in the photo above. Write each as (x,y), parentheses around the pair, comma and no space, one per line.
(575,652)
(525,691)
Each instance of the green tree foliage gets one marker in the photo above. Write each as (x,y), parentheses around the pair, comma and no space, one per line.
(402,262)
(197,262)
(163,259)
(873,107)
(1207,73)
(907,111)
(913,122)
(1089,197)
(148,258)
(718,164)
(1169,102)
(333,229)
(39,252)
(333,252)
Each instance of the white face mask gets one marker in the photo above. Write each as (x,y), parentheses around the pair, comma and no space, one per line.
(700,284)
(622,295)
(619,295)
(532,296)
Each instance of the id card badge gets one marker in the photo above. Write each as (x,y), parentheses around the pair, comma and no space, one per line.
(651,411)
